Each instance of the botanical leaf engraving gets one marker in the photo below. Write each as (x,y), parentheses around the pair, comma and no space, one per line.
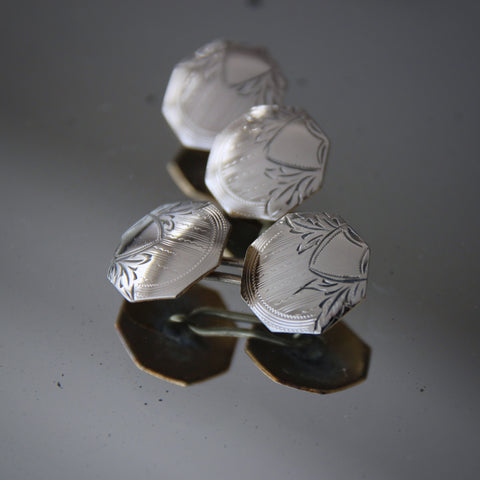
(207,61)
(123,273)
(321,237)
(133,252)
(211,61)
(266,88)
(293,180)
(293,186)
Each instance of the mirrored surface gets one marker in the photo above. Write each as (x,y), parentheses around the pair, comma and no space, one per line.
(84,149)
(336,360)
(171,350)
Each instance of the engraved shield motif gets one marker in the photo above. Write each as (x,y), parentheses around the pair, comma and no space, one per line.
(340,256)
(267,162)
(168,250)
(218,84)
(305,272)
(283,148)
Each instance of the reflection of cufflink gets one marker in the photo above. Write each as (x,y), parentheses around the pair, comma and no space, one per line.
(214,87)
(171,350)
(334,361)
(300,276)
(201,346)
(267,162)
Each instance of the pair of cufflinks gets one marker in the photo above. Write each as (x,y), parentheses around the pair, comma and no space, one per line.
(265,158)
(302,273)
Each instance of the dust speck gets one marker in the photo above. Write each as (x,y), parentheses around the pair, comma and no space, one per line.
(151,99)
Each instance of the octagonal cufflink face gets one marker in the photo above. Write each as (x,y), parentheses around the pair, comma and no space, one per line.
(267,162)
(169,350)
(168,250)
(218,84)
(305,272)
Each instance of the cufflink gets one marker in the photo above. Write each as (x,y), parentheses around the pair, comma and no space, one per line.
(299,276)
(220,82)
(305,272)
(267,162)
(168,250)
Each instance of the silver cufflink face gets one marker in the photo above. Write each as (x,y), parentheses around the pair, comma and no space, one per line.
(300,276)
(305,272)
(168,250)
(267,162)
(214,87)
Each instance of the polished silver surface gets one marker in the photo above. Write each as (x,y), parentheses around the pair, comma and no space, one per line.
(219,83)
(168,250)
(305,272)
(83,150)
(267,162)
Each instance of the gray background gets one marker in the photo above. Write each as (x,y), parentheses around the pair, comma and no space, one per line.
(83,148)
